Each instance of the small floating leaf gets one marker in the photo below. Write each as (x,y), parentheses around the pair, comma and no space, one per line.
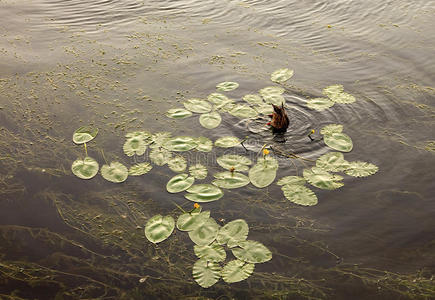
(115,172)
(140,169)
(271,90)
(243,111)
(275,99)
(281,75)
(338,141)
(177,164)
(332,161)
(230,180)
(343,98)
(179,183)
(227,86)
(206,273)
(199,106)
(134,145)
(180,143)
(331,128)
(159,139)
(291,180)
(227,142)
(237,270)
(198,171)
(300,194)
(252,252)
(204,193)
(233,232)
(361,169)
(333,90)
(206,233)
(85,168)
(263,172)
(323,179)
(159,228)
(204,144)
(253,99)
(160,156)
(178,113)
(146,136)
(238,162)
(265,109)
(226,107)
(210,120)
(213,252)
(320,103)
(190,221)
(218,99)
(84,134)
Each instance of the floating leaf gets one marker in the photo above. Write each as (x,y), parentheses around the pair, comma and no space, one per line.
(204,144)
(281,75)
(190,221)
(343,98)
(271,90)
(320,103)
(233,232)
(198,171)
(237,270)
(180,143)
(179,183)
(243,111)
(115,172)
(146,136)
(332,161)
(159,228)
(338,141)
(227,86)
(204,193)
(226,107)
(291,180)
(160,156)
(263,172)
(323,179)
(178,113)
(331,128)
(218,99)
(134,146)
(210,120)
(361,169)
(230,180)
(206,273)
(275,99)
(177,164)
(300,194)
(206,233)
(84,134)
(238,162)
(140,169)
(333,90)
(159,139)
(213,252)
(227,142)
(265,109)
(252,252)
(197,105)
(253,99)
(85,168)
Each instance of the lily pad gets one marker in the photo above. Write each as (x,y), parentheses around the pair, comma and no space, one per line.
(343,98)
(180,143)
(213,252)
(227,107)
(333,90)
(204,193)
(320,103)
(238,162)
(159,138)
(198,171)
(263,173)
(332,161)
(204,144)
(270,90)
(275,99)
(177,164)
(338,141)
(300,194)
(281,75)
(160,156)
(159,228)
(227,142)
(144,135)
(206,273)
(140,169)
(237,270)
(331,128)
(230,180)
(253,99)
(85,168)
(206,233)
(227,86)
(291,180)
(115,172)
(233,233)
(179,183)
(134,146)
(218,99)
(323,179)
(265,109)
(199,106)
(361,169)
(210,120)
(178,113)
(243,111)
(84,134)
(252,252)
(190,221)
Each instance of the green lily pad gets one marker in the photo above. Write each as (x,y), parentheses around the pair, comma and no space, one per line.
(243,111)
(198,171)
(227,107)
(159,138)
(85,168)
(263,173)
(227,86)
(179,183)
(271,90)
(343,98)
(230,180)
(177,164)
(159,228)
(233,233)
(332,161)
(134,146)
(300,194)
(281,75)
(204,144)
(323,179)
(178,113)
(338,141)
(205,234)
(204,193)
(206,273)
(275,99)
(331,128)
(227,142)
(180,143)
(213,252)
(252,252)
(199,106)
(265,109)
(320,103)
(361,169)
(140,169)
(218,99)
(253,99)
(190,221)
(333,90)
(291,180)
(84,134)
(210,120)
(115,172)
(238,162)
(237,270)
(160,156)
(144,135)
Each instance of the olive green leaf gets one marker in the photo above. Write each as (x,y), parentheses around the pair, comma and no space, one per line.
(204,144)
(271,90)
(243,111)
(263,173)
(206,273)
(253,99)
(84,134)
(281,75)
(159,138)
(160,156)
(206,233)
(213,252)
(291,180)
(178,113)
(218,99)
(227,86)
(140,169)
(332,161)
(179,183)
(115,172)
(237,270)
(85,168)
(233,233)
(134,145)
(204,193)
(320,103)
(159,228)
(238,162)
(331,128)
(210,120)
(338,141)
(333,90)
(343,98)
(322,179)
(198,171)
(265,109)
(230,180)
(227,142)
(299,194)
(191,221)
(252,252)
(361,169)
(144,135)
(177,164)
(180,143)
(275,99)
(197,105)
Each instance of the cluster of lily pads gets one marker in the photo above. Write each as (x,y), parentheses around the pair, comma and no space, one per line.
(211,242)
(335,94)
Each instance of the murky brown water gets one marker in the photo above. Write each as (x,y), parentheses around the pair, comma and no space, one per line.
(120,65)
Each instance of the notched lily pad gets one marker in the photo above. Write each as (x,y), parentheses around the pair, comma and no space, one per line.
(253,99)
(213,252)
(198,171)
(84,134)
(270,90)
(243,111)
(210,120)
(159,138)
(115,172)
(178,113)
(160,156)
(205,234)
(252,252)
(343,98)
(237,270)
(331,128)
(275,99)
(263,173)
(233,233)
(218,99)
(177,164)
(140,169)
(361,169)
(134,146)
(320,103)
(338,141)
(300,194)
(333,90)
(159,228)
(230,180)
(238,162)
(204,144)
(323,179)
(281,75)
(227,142)
(85,168)
(291,180)
(190,221)
(199,106)
(204,193)
(180,143)
(227,86)
(179,183)
(206,273)
(332,161)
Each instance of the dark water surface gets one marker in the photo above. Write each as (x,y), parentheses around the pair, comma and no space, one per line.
(120,65)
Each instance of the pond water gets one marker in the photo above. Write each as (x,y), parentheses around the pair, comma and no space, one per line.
(120,65)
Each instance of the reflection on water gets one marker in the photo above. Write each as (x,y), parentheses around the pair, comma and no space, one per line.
(119,65)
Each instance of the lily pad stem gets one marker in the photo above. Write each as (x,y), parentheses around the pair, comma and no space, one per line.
(179,207)
(102,154)
(86,150)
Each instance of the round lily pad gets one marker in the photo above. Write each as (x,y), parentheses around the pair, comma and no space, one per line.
(233,232)
(265,109)
(115,172)
(361,169)
(84,134)
(227,86)
(238,162)
(275,99)
(332,161)
(134,146)
(204,144)
(252,252)
(338,141)
(213,252)
(180,143)
(343,98)
(270,90)
(179,183)
(320,103)
(159,138)
(210,120)
(160,156)
(263,173)
(206,273)
(333,90)
(331,128)
(300,194)
(140,169)
(227,142)
(198,171)
(205,234)
(323,179)
(253,99)
(218,99)
(178,113)
(144,135)
(177,164)
(190,221)
(230,180)
(204,193)
(237,270)
(85,168)
(281,75)
(159,228)
(291,180)
(243,111)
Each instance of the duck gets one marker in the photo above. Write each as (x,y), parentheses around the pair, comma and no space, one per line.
(280,120)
